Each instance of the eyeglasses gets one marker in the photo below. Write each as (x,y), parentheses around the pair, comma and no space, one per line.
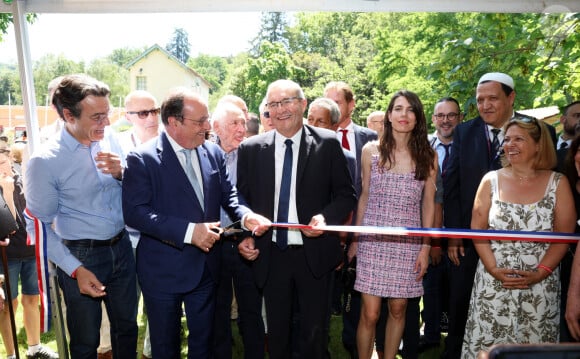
(200,122)
(101,117)
(282,103)
(451,116)
(145,113)
(526,119)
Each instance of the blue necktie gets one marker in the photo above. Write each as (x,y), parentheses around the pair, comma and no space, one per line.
(190,173)
(284,199)
(445,159)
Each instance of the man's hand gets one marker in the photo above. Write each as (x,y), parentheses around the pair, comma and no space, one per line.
(89,284)
(455,250)
(248,249)
(435,254)
(317,220)
(352,249)
(257,224)
(203,237)
(110,163)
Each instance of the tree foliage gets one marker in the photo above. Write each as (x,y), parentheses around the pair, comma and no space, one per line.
(273,29)
(213,68)
(432,54)
(251,81)
(179,46)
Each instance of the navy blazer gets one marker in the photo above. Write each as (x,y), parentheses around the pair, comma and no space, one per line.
(362,135)
(469,161)
(159,202)
(323,186)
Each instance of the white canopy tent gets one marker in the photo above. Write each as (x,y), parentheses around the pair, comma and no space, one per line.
(19,9)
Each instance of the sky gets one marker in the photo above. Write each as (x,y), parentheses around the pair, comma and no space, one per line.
(89,36)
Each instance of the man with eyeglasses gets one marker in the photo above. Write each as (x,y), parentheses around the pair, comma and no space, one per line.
(297,174)
(476,150)
(376,122)
(142,111)
(446,116)
(173,190)
(228,121)
(73,187)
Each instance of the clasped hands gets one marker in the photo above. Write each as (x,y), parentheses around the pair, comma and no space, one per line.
(247,247)
(517,279)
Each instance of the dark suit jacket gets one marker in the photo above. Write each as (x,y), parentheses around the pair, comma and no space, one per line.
(469,161)
(324,186)
(362,135)
(159,202)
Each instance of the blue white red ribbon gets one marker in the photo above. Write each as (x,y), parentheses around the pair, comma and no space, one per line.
(496,235)
(37,237)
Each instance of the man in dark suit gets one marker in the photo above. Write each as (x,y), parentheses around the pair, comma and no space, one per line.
(228,121)
(352,137)
(476,150)
(173,189)
(296,173)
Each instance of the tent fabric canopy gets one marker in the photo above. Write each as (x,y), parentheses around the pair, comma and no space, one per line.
(150,6)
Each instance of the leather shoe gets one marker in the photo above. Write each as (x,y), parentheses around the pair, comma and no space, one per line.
(143,356)
(105,355)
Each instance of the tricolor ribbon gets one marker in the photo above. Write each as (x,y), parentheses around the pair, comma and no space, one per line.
(496,235)
(37,237)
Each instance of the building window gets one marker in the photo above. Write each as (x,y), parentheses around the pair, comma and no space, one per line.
(141,83)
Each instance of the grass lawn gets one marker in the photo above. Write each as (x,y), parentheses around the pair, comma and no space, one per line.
(336,349)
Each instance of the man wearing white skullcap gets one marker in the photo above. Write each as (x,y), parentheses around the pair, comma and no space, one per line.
(476,150)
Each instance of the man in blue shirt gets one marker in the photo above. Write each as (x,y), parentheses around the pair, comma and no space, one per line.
(73,186)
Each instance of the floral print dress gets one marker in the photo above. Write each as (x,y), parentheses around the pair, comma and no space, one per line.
(501,316)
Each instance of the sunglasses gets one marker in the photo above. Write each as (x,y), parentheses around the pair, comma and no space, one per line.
(143,114)
(526,119)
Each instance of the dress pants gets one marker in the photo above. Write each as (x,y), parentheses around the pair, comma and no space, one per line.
(290,276)
(249,300)
(164,310)
(460,286)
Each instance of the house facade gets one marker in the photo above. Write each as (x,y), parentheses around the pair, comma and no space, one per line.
(157,71)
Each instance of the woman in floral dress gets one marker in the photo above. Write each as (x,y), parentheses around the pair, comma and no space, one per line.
(516,290)
(398,176)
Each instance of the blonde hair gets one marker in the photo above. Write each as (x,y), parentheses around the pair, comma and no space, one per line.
(546,157)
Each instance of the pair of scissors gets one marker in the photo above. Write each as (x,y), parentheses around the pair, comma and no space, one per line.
(229,230)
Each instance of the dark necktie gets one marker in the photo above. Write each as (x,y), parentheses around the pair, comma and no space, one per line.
(563,145)
(345,144)
(190,173)
(494,142)
(284,198)
(445,158)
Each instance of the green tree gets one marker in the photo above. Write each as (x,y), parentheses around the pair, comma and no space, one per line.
(273,29)
(49,67)
(123,56)
(6,19)
(213,68)
(10,86)
(179,46)
(116,77)
(250,82)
